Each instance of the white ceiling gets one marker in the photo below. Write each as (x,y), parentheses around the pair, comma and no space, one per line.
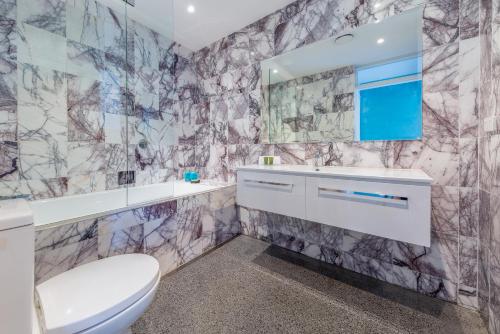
(211,21)
(215,19)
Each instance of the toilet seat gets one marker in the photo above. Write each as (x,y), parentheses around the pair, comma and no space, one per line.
(85,297)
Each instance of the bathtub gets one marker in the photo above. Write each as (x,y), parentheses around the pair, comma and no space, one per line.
(69,209)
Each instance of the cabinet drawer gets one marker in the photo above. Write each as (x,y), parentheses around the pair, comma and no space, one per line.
(282,194)
(392,210)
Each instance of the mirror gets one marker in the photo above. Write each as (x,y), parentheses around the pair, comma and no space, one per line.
(363,84)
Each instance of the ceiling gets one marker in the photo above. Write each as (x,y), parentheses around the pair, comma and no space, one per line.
(211,21)
(215,19)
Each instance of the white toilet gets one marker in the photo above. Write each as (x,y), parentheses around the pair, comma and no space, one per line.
(105,296)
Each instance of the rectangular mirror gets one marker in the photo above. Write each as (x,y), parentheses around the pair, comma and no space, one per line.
(363,84)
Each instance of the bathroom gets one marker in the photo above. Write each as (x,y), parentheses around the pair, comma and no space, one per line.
(218,166)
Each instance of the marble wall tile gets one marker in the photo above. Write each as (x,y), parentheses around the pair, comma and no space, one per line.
(190,227)
(160,239)
(117,33)
(43,159)
(186,81)
(124,241)
(35,189)
(33,45)
(441,23)
(261,38)
(42,106)
(217,165)
(8,106)
(440,113)
(469,75)
(469,212)
(426,284)
(147,47)
(147,90)
(65,235)
(227,224)
(438,159)
(85,23)
(160,234)
(468,261)
(368,154)
(468,162)
(49,15)
(51,262)
(86,61)
(440,68)
(8,37)
(117,158)
(84,158)
(469,19)
(440,260)
(291,153)
(331,154)
(8,9)
(9,161)
(88,183)
(218,122)
(367,266)
(445,210)
(304,22)
(360,244)
(85,119)
(123,233)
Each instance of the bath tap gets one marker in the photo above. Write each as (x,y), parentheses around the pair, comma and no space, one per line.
(317,156)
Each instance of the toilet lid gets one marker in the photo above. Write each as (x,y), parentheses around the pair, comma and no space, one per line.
(92,293)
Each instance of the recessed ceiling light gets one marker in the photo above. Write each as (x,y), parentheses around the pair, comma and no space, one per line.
(376,5)
(380,41)
(191,9)
(275,71)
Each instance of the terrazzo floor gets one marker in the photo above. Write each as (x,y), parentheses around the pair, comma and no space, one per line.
(249,286)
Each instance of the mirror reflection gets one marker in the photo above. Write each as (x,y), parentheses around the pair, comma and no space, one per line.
(363,84)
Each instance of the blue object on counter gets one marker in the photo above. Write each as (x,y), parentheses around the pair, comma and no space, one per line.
(193,176)
(187,176)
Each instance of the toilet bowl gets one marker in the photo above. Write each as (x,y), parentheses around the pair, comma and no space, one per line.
(102,297)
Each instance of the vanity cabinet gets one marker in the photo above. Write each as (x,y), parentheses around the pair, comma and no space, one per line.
(279,193)
(389,203)
(398,211)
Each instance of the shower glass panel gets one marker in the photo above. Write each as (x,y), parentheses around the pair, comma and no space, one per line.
(148,101)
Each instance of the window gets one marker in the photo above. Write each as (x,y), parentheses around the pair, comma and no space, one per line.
(389,100)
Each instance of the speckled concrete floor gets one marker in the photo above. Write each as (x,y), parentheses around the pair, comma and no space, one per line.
(248,286)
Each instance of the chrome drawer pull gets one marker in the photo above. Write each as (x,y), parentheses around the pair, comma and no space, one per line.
(269,183)
(375,198)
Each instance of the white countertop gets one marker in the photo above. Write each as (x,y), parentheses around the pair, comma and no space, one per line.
(381,174)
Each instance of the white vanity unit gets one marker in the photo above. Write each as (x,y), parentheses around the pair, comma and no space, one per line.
(390,203)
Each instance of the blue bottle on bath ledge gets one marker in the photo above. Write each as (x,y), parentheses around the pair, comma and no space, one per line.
(191,176)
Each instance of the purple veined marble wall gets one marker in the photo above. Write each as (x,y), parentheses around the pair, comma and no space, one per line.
(489,166)
(229,83)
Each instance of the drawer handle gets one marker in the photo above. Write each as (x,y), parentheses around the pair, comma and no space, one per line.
(277,184)
(377,197)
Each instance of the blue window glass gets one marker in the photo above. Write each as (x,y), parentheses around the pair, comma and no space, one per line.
(389,101)
(392,112)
